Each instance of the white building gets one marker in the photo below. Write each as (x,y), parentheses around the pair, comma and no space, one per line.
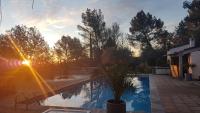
(185,61)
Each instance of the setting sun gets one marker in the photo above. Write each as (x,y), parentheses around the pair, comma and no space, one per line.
(26,62)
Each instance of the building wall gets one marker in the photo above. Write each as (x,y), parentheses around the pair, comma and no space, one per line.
(161,70)
(195,59)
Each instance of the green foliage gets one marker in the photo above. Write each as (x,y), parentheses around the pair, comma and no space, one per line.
(116,66)
(117,74)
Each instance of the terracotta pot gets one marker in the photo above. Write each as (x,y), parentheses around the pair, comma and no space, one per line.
(116,107)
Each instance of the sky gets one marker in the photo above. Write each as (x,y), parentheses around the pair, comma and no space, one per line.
(55,18)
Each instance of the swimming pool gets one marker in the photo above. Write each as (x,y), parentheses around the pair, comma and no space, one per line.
(95,93)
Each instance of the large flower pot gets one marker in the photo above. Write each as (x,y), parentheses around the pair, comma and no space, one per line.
(116,107)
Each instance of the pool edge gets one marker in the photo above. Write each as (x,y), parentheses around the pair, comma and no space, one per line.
(156,105)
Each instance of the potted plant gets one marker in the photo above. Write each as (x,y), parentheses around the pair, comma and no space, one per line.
(115,63)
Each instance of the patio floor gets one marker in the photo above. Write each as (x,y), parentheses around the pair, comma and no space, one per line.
(177,96)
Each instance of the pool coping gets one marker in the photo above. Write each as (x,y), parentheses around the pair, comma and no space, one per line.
(156,105)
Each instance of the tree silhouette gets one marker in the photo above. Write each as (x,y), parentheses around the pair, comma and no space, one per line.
(193,19)
(28,40)
(62,48)
(181,33)
(87,35)
(69,49)
(112,36)
(144,28)
(6,46)
(189,27)
(164,40)
(93,30)
(76,50)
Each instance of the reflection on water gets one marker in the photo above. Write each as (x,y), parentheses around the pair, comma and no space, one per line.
(94,94)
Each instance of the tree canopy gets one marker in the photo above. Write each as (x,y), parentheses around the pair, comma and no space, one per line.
(93,31)
(144,28)
(69,49)
(182,33)
(193,18)
(112,35)
(189,27)
(28,40)
(97,36)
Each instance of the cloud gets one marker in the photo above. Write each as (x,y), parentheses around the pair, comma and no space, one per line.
(57,17)
(93,1)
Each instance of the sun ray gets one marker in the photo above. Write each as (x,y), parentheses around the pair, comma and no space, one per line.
(40,81)
(45,83)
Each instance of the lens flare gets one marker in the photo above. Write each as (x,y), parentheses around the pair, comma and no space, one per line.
(41,82)
(26,62)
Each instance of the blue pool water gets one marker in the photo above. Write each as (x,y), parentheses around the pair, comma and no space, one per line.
(94,94)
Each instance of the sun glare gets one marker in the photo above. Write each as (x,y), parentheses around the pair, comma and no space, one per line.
(41,82)
(26,62)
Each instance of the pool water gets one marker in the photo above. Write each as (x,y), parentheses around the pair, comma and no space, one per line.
(95,93)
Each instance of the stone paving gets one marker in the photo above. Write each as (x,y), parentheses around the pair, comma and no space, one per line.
(178,96)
